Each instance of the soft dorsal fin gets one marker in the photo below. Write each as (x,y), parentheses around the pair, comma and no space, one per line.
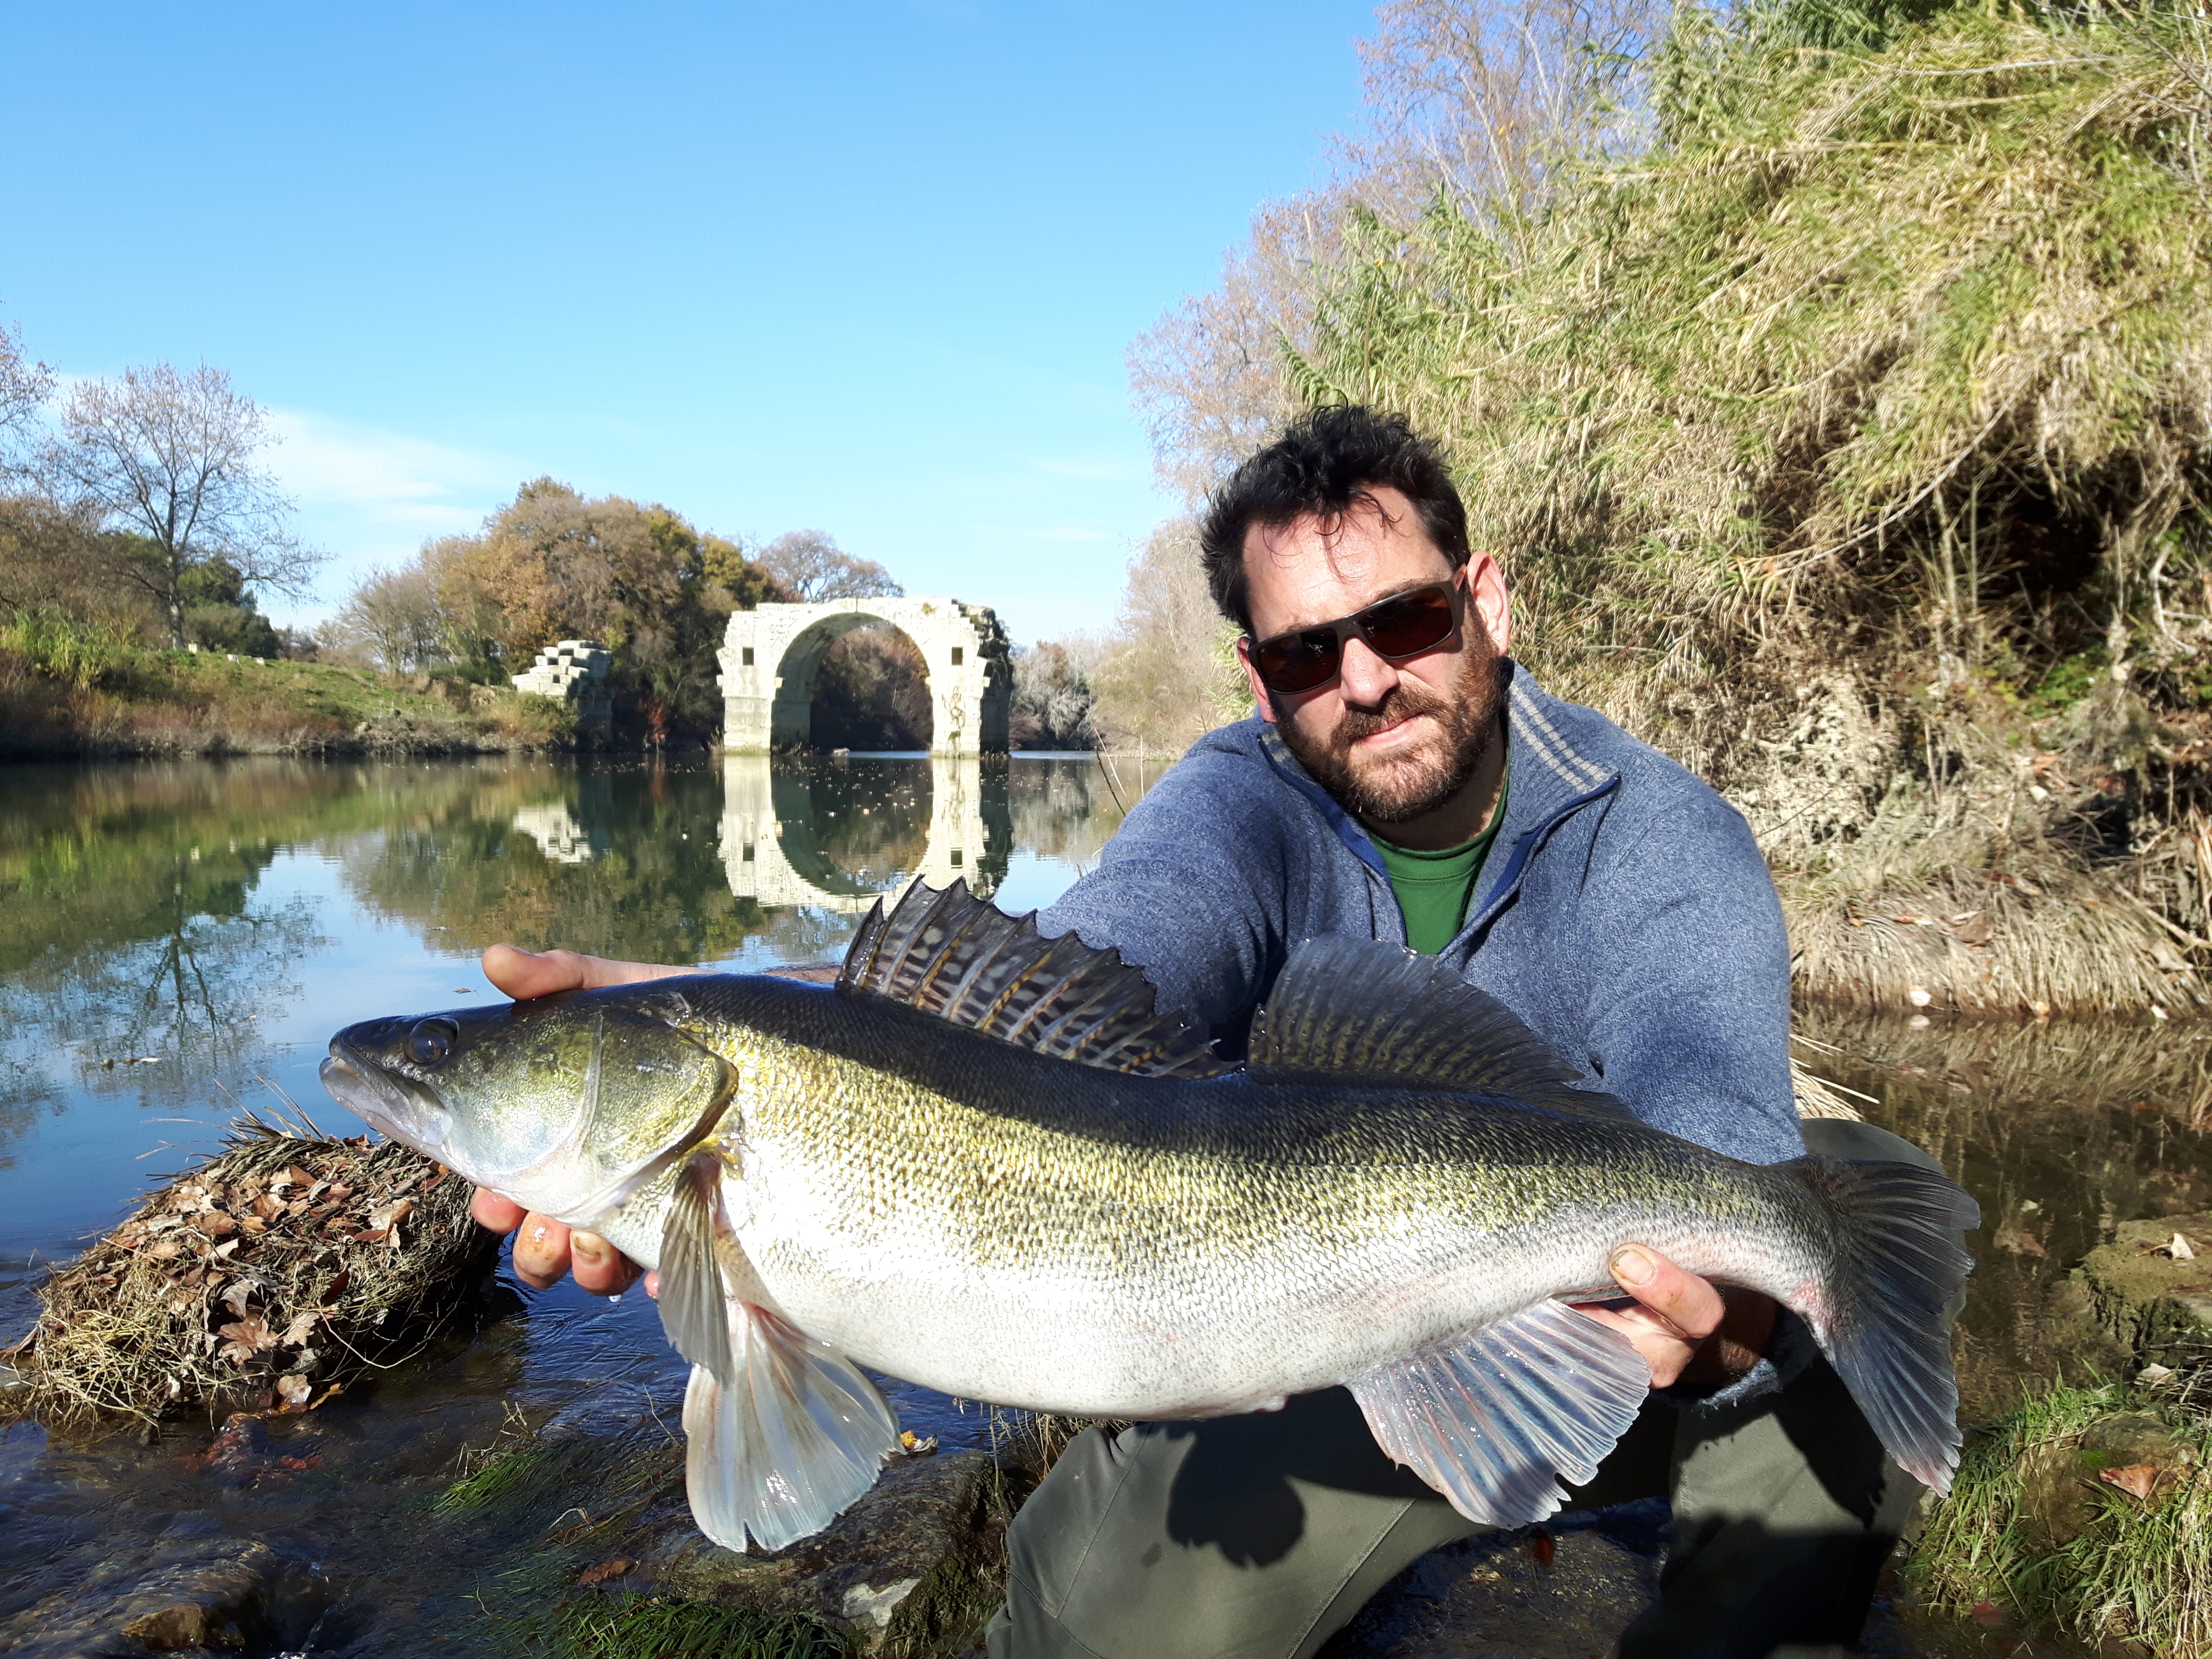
(946,952)
(1345,1005)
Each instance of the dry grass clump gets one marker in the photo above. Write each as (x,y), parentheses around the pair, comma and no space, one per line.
(277,1270)
(1853,440)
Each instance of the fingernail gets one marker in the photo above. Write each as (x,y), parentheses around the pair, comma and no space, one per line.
(588,1248)
(1633,1267)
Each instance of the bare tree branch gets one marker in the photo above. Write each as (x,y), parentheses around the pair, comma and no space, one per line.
(175,458)
(810,564)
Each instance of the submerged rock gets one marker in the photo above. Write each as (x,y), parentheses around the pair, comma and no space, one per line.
(172,1594)
(915,1567)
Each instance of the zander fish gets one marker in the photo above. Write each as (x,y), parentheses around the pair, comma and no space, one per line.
(981,1162)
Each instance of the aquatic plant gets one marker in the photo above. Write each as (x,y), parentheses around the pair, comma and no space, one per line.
(648,1627)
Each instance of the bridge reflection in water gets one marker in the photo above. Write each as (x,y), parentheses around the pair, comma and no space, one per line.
(836,834)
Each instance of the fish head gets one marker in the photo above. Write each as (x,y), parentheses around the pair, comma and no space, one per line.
(565,1104)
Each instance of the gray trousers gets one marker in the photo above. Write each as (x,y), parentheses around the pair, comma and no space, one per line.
(1258,1537)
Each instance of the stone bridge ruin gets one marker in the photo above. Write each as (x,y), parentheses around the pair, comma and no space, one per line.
(771,654)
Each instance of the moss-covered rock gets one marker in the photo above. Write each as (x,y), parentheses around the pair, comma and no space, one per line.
(913,1570)
(2156,1305)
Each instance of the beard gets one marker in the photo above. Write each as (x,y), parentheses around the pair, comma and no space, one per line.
(1413,782)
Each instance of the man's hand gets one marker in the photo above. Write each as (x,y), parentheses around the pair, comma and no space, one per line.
(1687,1330)
(546,1249)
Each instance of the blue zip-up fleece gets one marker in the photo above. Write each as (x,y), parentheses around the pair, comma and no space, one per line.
(1624,912)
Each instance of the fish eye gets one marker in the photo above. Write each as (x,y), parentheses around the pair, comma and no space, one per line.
(431,1041)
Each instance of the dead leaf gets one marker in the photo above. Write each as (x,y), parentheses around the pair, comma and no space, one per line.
(605,1571)
(251,1225)
(2137,1480)
(1974,928)
(396,1211)
(238,1293)
(267,1205)
(253,1333)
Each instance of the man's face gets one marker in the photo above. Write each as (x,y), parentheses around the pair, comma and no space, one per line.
(1392,740)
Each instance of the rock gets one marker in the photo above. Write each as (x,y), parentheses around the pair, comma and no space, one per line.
(915,1567)
(170,1593)
(2156,1304)
(2064,1487)
(1495,1597)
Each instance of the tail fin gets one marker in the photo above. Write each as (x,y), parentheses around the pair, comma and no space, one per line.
(1884,1319)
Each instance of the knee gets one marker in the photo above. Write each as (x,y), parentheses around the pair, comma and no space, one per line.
(1862,1143)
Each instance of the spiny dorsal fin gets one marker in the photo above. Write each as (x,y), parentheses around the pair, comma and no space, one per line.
(1356,1006)
(945,953)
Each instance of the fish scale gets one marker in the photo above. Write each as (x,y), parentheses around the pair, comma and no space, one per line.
(916,1171)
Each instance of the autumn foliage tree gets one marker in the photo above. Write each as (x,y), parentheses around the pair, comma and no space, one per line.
(554,564)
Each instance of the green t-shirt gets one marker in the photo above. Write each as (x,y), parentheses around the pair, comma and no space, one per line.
(1434,889)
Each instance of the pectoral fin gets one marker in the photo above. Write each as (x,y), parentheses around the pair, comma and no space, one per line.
(784,1433)
(1497,1419)
(694,1304)
(788,1443)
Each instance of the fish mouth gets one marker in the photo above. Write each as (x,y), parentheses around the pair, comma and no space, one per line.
(394,1106)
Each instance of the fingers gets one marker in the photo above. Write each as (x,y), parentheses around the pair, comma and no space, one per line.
(541,1250)
(500,1215)
(1662,1348)
(545,1248)
(522,974)
(599,1267)
(1688,1303)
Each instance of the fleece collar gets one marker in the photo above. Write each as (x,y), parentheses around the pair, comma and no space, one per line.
(1559,765)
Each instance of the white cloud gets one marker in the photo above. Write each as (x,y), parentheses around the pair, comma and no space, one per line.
(387,477)
(371,497)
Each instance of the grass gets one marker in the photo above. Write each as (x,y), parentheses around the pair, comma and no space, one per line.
(640,1627)
(2136,1569)
(68,687)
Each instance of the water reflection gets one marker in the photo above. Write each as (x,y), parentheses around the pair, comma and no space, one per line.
(834,834)
(2060,1132)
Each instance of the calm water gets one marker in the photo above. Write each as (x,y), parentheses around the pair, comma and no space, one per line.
(177,940)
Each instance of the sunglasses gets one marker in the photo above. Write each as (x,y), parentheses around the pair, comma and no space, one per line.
(1404,625)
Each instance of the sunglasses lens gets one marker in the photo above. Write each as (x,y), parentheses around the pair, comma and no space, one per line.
(1298,662)
(1409,624)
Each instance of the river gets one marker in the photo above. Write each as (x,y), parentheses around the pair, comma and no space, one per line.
(177,941)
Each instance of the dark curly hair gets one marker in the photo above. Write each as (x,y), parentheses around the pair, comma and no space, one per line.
(1325,464)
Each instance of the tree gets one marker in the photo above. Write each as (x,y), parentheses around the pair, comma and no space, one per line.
(393,619)
(810,565)
(1171,676)
(176,458)
(24,388)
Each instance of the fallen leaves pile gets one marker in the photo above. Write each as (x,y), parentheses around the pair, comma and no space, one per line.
(261,1279)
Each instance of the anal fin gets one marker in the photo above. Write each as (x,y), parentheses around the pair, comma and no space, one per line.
(784,1433)
(792,1441)
(1497,1419)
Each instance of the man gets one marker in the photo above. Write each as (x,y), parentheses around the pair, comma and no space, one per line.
(1404,780)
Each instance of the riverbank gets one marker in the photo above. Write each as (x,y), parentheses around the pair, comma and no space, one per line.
(90,699)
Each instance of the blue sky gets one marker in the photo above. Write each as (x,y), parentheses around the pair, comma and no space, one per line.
(870,268)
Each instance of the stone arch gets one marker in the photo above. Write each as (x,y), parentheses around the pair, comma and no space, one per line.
(770,653)
(770,855)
